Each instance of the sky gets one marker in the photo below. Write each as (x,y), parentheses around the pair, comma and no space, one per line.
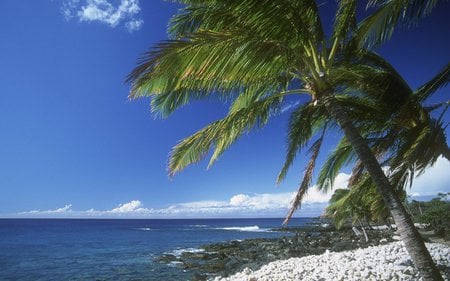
(73,145)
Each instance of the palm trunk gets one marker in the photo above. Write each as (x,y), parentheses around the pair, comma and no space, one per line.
(413,241)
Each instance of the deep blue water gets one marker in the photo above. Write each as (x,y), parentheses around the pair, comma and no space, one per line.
(76,249)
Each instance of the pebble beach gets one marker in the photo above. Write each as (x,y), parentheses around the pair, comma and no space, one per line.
(383,262)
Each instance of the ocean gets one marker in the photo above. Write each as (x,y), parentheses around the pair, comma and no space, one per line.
(115,249)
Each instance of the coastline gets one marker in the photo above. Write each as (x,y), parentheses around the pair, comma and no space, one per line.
(224,259)
(169,250)
(384,262)
(312,252)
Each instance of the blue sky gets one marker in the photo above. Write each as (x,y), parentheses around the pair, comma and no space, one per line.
(73,145)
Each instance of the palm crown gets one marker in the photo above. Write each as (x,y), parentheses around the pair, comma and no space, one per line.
(254,59)
(253,53)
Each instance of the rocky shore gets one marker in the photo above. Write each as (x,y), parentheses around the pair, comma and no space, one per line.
(227,258)
(385,262)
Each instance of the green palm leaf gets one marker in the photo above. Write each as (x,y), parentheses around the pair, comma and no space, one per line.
(380,25)
(277,20)
(438,81)
(341,155)
(303,123)
(307,178)
(222,133)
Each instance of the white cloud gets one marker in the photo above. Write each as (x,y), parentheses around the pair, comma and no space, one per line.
(239,205)
(132,206)
(316,196)
(436,179)
(134,25)
(200,204)
(126,12)
(66,209)
(239,199)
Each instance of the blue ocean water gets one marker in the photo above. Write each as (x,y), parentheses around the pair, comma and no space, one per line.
(91,249)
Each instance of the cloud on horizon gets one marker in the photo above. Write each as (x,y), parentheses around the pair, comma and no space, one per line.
(64,210)
(239,205)
(112,13)
(436,179)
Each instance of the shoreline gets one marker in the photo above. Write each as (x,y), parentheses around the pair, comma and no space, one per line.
(224,259)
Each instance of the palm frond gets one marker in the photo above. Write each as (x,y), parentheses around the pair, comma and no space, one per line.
(339,208)
(369,114)
(341,155)
(380,25)
(420,148)
(209,61)
(307,178)
(255,92)
(221,134)
(439,81)
(374,78)
(344,23)
(303,123)
(274,20)
(356,174)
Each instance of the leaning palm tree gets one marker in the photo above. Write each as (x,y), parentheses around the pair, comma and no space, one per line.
(254,53)
(409,142)
(406,143)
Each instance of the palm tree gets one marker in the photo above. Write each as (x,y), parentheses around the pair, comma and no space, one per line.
(409,142)
(361,204)
(255,53)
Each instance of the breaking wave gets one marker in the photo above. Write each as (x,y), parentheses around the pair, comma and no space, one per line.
(253,228)
(144,228)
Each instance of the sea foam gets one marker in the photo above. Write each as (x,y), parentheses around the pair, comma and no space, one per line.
(253,228)
(179,252)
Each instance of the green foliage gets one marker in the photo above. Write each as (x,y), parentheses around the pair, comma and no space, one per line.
(307,178)
(439,81)
(361,204)
(303,124)
(251,54)
(435,213)
(221,134)
(341,155)
(406,139)
(380,25)
(248,53)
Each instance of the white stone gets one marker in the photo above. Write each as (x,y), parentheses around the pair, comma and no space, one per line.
(386,262)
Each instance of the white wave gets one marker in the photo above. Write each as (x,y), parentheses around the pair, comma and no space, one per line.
(253,228)
(175,264)
(144,228)
(179,252)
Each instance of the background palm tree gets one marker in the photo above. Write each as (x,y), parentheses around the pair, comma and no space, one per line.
(254,53)
(361,204)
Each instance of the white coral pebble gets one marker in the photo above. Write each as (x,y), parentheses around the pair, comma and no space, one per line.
(386,262)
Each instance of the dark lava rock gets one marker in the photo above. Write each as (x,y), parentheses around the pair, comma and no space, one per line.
(199,277)
(230,257)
